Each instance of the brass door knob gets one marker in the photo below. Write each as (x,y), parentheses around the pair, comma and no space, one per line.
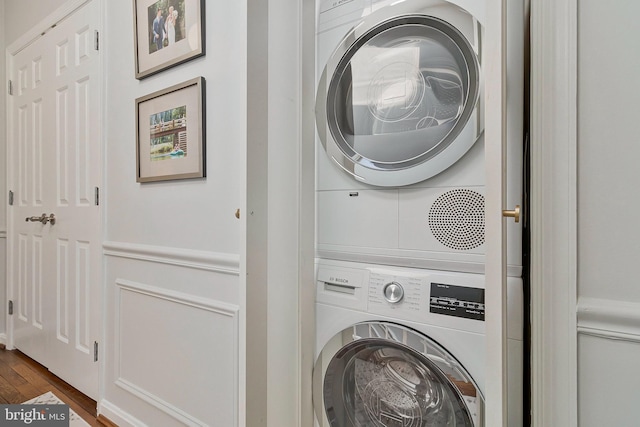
(515,214)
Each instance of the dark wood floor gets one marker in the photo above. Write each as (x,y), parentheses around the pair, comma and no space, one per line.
(21,379)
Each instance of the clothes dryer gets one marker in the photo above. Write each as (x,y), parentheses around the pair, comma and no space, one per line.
(406,347)
(400,121)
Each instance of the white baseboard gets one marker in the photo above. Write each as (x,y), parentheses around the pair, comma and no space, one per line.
(3,339)
(117,415)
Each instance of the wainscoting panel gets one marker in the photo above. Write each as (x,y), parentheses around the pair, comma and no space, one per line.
(608,375)
(177,352)
(172,342)
(608,351)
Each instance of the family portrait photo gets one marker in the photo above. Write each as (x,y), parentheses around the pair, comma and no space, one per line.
(166,24)
(167,33)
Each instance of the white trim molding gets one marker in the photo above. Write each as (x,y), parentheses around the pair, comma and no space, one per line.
(159,403)
(218,307)
(201,260)
(117,415)
(553,217)
(618,320)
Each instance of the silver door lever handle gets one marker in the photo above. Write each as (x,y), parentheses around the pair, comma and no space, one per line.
(42,218)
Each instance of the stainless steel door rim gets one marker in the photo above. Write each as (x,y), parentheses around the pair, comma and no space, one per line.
(400,101)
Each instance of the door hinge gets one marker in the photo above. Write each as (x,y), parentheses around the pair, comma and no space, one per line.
(10,87)
(10,198)
(10,307)
(97,40)
(95,351)
(97,196)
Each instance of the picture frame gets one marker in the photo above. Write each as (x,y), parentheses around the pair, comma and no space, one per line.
(170,133)
(167,33)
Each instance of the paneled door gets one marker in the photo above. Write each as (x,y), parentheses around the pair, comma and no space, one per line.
(55,170)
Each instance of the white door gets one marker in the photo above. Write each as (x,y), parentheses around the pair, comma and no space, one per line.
(496,262)
(54,169)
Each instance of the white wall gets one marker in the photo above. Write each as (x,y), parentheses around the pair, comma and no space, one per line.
(172,313)
(22,15)
(192,294)
(608,206)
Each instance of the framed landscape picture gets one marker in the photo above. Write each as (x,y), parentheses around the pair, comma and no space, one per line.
(167,33)
(171,133)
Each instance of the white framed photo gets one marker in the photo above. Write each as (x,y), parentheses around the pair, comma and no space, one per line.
(167,33)
(171,133)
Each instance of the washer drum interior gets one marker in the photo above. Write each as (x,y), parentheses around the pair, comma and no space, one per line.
(387,375)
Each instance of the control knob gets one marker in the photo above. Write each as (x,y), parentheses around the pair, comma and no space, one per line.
(393,292)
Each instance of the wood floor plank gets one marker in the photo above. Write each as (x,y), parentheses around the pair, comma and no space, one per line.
(22,379)
(10,393)
(32,377)
(7,372)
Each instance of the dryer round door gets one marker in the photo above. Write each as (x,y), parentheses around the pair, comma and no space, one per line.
(399,100)
(379,374)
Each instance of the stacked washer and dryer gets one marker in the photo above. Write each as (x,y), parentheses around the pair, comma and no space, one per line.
(400,213)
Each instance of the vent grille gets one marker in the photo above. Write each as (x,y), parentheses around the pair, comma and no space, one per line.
(456,219)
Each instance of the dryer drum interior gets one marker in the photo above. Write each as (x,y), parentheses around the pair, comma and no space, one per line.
(378,382)
(402,93)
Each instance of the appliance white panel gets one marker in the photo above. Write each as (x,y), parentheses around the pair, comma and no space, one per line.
(367,218)
(343,287)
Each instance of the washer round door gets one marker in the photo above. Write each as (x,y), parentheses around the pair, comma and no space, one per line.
(379,374)
(399,100)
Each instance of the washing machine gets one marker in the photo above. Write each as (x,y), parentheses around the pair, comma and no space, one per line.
(400,132)
(406,347)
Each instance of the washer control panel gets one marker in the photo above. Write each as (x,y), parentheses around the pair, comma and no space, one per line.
(438,298)
(396,295)
(432,297)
